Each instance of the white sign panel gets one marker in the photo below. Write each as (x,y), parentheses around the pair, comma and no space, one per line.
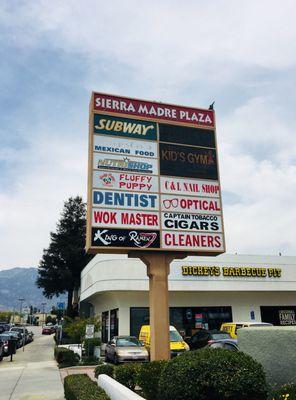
(191,222)
(123,163)
(127,147)
(186,186)
(124,219)
(89,331)
(124,181)
(128,200)
(202,205)
(186,240)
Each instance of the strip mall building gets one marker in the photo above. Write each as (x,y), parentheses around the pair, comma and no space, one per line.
(203,292)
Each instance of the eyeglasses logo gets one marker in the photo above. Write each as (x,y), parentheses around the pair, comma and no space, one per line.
(170,203)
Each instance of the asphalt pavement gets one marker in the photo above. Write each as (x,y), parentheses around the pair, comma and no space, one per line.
(33,374)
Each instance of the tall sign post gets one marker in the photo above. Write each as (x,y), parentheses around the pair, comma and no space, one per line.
(153,191)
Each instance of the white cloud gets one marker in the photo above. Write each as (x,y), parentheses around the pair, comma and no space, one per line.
(263,218)
(175,52)
(46,175)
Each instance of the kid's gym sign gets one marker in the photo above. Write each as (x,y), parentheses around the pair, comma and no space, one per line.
(153,181)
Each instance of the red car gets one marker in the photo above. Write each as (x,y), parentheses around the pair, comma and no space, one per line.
(48,330)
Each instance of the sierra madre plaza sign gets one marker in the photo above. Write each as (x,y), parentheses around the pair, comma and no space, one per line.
(153,179)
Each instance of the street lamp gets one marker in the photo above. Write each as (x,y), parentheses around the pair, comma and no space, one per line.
(21,308)
(43,305)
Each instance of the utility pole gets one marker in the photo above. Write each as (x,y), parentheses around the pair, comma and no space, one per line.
(21,308)
(43,305)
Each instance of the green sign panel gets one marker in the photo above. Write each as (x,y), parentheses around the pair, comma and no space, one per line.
(125,127)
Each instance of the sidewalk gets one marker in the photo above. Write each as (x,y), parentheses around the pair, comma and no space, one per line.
(33,374)
(90,371)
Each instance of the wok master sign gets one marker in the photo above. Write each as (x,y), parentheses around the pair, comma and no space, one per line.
(153,178)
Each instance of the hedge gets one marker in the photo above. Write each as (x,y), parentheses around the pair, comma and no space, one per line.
(126,374)
(148,377)
(215,374)
(65,357)
(81,387)
(287,392)
(106,369)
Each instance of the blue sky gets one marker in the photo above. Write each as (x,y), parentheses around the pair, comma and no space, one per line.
(240,54)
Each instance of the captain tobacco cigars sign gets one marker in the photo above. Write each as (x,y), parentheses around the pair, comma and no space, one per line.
(153,178)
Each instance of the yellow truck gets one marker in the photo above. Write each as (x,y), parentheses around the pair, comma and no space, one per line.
(232,327)
(177,344)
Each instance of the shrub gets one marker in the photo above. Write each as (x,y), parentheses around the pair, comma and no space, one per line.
(89,361)
(287,392)
(148,377)
(75,328)
(215,374)
(65,357)
(89,345)
(106,369)
(126,374)
(81,387)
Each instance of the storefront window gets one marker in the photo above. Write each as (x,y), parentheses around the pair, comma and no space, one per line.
(279,315)
(113,323)
(105,326)
(187,320)
(138,316)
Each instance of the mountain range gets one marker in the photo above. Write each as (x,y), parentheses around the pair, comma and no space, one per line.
(20,283)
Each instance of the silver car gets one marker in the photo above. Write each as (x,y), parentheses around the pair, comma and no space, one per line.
(125,349)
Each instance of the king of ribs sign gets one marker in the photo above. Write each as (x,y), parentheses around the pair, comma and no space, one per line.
(153,178)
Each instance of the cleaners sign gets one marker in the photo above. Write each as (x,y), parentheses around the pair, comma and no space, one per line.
(153,178)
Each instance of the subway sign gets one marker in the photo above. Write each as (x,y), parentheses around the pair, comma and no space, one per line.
(153,178)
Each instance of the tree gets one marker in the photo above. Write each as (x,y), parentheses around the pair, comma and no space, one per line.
(75,328)
(61,263)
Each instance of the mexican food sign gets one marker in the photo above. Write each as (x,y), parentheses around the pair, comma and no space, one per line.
(153,179)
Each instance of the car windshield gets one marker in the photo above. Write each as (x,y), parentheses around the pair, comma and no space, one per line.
(175,336)
(222,335)
(17,329)
(128,342)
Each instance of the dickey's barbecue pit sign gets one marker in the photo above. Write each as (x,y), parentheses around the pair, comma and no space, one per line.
(153,181)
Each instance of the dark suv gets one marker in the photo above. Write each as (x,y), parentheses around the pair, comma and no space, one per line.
(203,337)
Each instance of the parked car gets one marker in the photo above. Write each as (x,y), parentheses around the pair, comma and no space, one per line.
(203,337)
(1,350)
(23,332)
(232,327)
(177,343)
(4,339)
(125,349)
(17,336)
(228,344)
(4,327)
(48,329)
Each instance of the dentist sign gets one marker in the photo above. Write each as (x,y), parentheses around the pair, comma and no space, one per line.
(153,178)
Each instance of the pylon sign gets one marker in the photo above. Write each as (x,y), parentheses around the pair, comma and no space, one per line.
(153,178)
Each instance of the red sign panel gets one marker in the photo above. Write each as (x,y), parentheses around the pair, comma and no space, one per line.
(155,111)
